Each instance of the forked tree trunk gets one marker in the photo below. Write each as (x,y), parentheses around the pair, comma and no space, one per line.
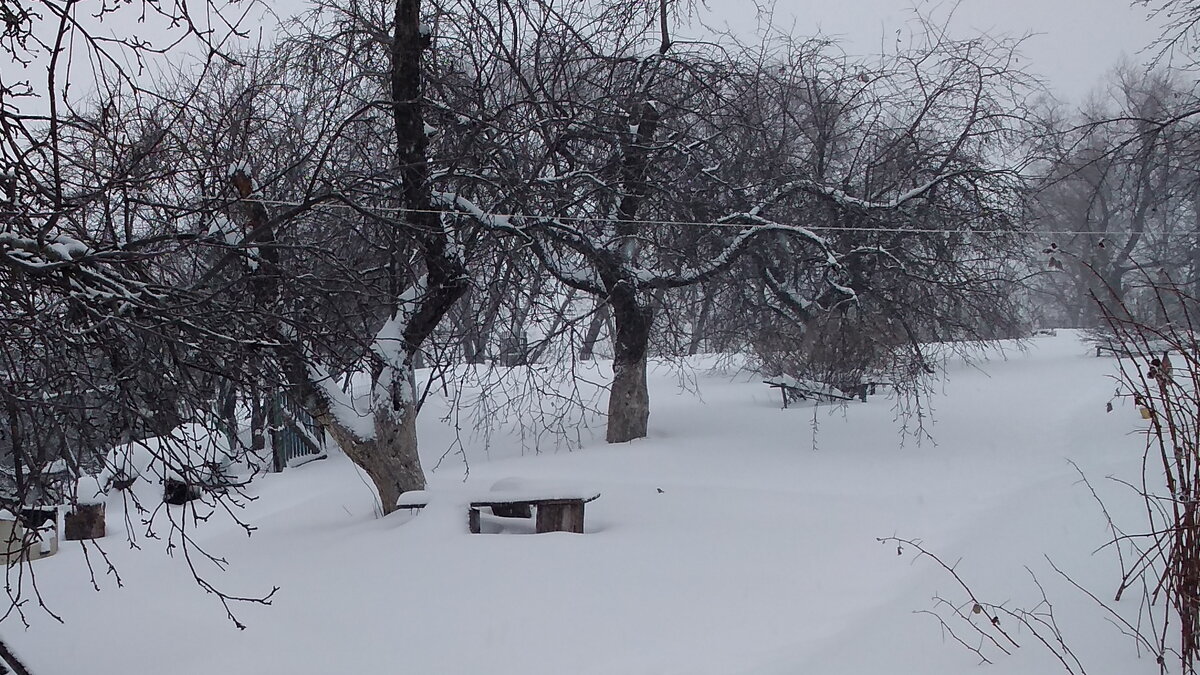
(390,458)
(629,398)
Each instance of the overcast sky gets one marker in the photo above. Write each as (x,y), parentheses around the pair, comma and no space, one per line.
(1074,42)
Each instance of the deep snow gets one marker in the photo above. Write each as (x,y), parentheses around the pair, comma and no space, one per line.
(735,539)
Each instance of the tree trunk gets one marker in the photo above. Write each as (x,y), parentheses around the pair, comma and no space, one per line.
(700,324)
(393,464)
(559,318)
(258,425)
(599,318)
(628,401)
(390,456)
(1195,252)
(227,400)
(629,398)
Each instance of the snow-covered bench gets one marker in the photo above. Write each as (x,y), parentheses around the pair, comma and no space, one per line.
(1113,349)
(557,510)
(792,389)
(1124,350)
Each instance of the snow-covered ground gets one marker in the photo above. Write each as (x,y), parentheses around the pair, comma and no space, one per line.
(737,538)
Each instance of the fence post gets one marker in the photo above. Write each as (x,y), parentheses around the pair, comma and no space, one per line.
(279,459)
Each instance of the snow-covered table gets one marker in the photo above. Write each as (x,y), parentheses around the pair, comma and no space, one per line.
(557,510)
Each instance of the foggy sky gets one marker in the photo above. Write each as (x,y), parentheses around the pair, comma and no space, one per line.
(1072,44)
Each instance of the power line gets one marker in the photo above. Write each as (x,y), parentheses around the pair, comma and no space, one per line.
(649,222)
(681,223)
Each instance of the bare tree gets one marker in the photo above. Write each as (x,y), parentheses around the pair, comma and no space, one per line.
(1160,557)
(1116,194)
(910,170)
(94,266)
(1180,26)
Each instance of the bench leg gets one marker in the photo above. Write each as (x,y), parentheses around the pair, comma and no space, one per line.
(473,520)
(560,518)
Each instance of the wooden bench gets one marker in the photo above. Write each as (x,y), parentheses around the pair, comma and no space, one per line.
(556,511)
(1121,350)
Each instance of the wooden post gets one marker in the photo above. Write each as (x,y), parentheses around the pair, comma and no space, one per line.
(473,520)
(85,521)
(565,516)
(226,413)
(279,456)
(572,517)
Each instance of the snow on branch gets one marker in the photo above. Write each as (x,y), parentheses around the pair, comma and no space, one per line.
(523,227)
(389,343)
(726,258)
(757,224)
(795,304)
(845,199)
(874,250)
(511,224)
(467,207)
(77,274)
(56,252)
(340,404)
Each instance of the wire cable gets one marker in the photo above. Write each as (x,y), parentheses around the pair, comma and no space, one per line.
(669,223)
